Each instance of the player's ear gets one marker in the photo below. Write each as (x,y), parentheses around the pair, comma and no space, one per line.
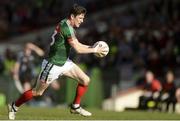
(72,16)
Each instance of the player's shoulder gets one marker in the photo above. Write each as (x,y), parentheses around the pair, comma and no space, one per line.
(63,23)
(65,27)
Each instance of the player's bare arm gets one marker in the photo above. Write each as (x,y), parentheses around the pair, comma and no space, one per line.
(36,49)
(82,48)
(16,77)
(16,71)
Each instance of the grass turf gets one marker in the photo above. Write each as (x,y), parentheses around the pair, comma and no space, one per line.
(39,113)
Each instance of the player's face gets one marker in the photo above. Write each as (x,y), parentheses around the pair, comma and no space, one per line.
(78,20)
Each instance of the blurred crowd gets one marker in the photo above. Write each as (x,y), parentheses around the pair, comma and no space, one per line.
(145,37)
(162,95)
(19,16)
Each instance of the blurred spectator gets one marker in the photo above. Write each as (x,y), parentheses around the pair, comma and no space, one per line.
(168,92)
(9,61)
(24,69)
(24,74)
(9,58)
(1,65)
(152,88)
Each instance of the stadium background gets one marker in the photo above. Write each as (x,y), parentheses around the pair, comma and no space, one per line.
(142,34)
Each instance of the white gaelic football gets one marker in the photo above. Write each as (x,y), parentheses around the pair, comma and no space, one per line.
(102,44)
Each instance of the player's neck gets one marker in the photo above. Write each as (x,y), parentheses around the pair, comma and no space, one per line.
(70,22)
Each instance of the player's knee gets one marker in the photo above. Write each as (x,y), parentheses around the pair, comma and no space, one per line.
(37,93)
(87,81)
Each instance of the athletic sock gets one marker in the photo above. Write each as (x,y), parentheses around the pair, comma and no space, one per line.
(75,105)
(80,91)
(26,96)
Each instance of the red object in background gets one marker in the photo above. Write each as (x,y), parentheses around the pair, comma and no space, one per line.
(155,85)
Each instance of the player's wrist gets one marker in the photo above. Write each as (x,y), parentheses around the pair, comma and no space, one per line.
(95,50)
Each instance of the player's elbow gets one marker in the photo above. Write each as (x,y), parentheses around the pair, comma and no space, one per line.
(76,46)
(86,81)
(42,54)
(78,50)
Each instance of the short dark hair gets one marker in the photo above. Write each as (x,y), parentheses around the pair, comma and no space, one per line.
(77,10)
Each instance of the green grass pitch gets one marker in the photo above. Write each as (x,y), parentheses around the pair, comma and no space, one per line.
(40,113)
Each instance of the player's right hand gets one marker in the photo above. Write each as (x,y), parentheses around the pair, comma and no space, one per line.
(99,49)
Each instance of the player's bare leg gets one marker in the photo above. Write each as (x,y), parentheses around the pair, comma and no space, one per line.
(83,79)
(25,97)
(26,86)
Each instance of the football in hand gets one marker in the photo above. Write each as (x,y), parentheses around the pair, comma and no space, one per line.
(105,46)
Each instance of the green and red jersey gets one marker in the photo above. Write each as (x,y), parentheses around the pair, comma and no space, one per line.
(59,47)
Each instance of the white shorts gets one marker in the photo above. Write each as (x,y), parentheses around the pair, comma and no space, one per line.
(51,72)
